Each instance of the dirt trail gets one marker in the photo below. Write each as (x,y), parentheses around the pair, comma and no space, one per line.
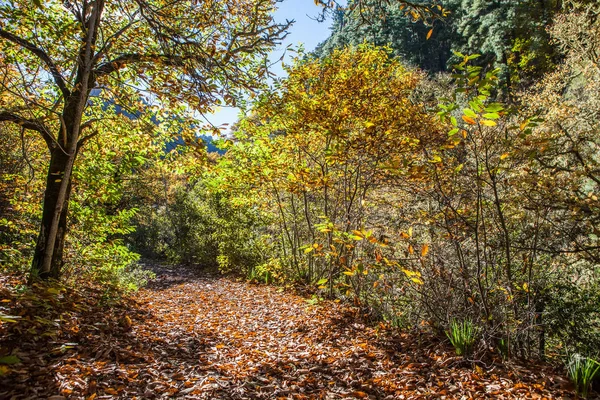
(210,337)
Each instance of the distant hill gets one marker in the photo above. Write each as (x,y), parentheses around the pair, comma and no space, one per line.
(170,146)
(208,142)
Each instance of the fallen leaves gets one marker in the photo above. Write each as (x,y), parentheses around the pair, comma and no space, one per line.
(206,337)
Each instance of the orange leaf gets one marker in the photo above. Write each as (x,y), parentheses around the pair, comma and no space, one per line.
(469,120)
(429,34)
(424,250)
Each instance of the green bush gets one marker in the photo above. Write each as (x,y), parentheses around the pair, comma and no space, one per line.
(572,316)
(202,227)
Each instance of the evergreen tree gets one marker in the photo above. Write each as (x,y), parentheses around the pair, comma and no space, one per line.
(388,24)
(511,35)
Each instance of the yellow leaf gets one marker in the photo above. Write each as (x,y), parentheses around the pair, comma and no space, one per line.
(503,156)
(424,250)
(488,122)
(417,281)
(526,287)
(411,250)
(524,124)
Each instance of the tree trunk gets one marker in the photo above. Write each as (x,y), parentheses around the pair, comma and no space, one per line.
(59,163)
(47,260)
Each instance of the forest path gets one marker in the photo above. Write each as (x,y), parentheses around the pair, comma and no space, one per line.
(208,337)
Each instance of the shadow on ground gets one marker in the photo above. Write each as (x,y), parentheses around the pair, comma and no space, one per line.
(197,335)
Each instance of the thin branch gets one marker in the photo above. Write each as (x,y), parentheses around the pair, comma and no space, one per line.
(26,158)
(42,55)
(85,139)
(123,60)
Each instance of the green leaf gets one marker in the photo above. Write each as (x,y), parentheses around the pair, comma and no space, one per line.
(9,360)
(494,108)
(9,318)
(322,281)
(469,113)
(491,115)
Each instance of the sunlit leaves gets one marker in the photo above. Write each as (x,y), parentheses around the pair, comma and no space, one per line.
(336,126)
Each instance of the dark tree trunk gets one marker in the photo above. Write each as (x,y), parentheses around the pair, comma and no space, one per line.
(59,162)
(48,256)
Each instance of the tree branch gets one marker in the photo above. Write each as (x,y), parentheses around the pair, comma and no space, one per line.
(31,124)
(43,56)
(123,60)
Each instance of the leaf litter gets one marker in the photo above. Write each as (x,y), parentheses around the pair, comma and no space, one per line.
(203,336)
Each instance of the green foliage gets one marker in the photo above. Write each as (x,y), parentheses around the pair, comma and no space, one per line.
(582,371)
(462,335)
(202,226)
(572,315)
(391,24)
(509,35)
(77,61)
(19,185)
(101,213)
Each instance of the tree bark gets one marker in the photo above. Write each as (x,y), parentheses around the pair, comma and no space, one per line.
(56,172)
(47,261)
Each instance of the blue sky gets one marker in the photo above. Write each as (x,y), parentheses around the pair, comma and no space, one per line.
(305,30)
